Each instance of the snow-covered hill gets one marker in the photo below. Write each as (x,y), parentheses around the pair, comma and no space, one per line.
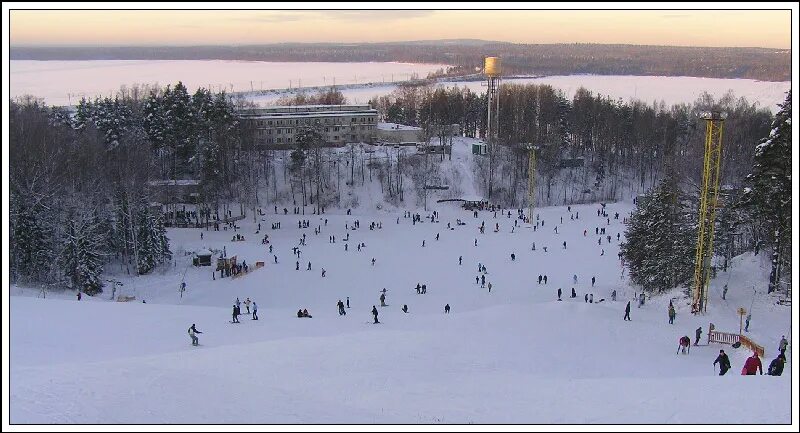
(515,355)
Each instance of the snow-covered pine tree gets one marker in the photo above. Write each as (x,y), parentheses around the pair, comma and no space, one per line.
(82,257)
(153,120)
(84,112)
(658,244)
(147,250)
(727,222)
(30,237)
(770,194)
(152,244)
(182,124)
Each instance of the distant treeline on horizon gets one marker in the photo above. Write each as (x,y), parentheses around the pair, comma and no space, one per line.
(765,64)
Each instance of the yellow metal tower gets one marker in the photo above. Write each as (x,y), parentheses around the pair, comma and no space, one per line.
(709,194)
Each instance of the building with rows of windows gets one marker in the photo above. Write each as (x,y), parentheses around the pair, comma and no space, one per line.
(275,127)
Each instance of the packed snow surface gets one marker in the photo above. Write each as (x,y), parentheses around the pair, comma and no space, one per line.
(515,355)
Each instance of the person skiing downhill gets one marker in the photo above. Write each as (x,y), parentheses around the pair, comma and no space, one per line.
(724,363)
(192,333)
(697,333)
(627,312)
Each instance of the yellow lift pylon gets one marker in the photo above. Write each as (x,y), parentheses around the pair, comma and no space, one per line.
(709,195)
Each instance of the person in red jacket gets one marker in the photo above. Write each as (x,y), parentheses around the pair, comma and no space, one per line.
(751,365)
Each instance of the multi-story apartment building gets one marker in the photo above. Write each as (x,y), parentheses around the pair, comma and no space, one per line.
(339,124)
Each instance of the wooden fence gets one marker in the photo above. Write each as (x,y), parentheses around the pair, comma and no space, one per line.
(728,338)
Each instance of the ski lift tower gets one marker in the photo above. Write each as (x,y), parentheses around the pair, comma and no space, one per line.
(492,68)
(709,195)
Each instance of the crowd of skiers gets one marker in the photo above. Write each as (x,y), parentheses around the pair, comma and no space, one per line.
(752,365)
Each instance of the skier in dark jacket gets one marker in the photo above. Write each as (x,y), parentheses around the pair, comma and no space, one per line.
(559,293)
(697,333)
(684,344)
(776,366)
(724,363)
(405,308)
(375,314)
(235,314)
(627,312)
(447,308)
(192,331)
(573,293)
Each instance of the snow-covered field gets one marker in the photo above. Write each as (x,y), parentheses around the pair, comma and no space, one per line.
(671,90)
(62,82)
(515,355)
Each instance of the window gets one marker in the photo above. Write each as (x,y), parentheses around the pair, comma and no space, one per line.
(336,128)
(269,132)
(336,138)
(269,123)
(278,140)
(353,137)
(327,129)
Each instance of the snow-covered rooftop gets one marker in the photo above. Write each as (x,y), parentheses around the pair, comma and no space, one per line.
(384,126)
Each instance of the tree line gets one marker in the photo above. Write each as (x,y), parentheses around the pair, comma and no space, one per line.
(549,59)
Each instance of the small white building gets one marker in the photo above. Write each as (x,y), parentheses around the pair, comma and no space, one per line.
(395,133)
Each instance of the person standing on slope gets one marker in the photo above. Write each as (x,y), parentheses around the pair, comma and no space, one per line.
(752,365)
(627,312)
(192,333)
(697,333)
(782,346)
(724,363)
(671,313)
(776,366)
(255,311)
(235,314)
(375,314)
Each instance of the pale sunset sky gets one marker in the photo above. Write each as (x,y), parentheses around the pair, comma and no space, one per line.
(727,28)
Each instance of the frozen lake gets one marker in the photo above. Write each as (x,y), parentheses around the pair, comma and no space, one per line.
(671,90)
(64,82)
